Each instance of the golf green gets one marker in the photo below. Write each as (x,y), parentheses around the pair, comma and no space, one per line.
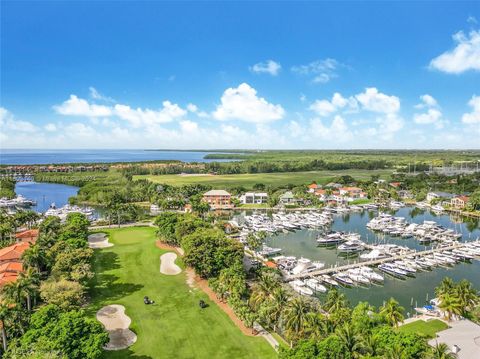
(175,326)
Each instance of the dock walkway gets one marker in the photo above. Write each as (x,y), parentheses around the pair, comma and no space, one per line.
(375,262)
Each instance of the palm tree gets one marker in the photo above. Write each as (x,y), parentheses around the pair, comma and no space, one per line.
(277,305)
(442,351)
(34,257)
(467,295)
(335,301)
(4,314)
(263,290)
(316,326)
(370,344)
(350,339)
(446,286)
(451,305)
(28,281)
(394,352)
(392,312)
(295,317)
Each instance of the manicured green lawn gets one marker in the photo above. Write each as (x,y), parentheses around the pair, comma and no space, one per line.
(268,179)
(175,327)
(426,328)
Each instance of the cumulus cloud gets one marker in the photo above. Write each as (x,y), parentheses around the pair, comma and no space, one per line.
(325,107)
(75,106)
(321,71)
(463,57)
(146,117)
(429,117)
(268,67)
(473,117)
(242,103)
(50,127)
(338,130)
(375,101)
(9,123)
(427,101)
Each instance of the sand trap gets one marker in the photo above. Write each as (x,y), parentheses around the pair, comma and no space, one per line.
(99,240)
(167,264)
(116,322)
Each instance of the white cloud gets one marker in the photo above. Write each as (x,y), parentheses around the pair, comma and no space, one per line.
(242,103)
(474,116)
(146,117)
(375,101)
(429,117)
(75,106)
(338,130)
(50,127)
(98,96)
(389,125)
(192,108)
(465,56)
(427,101)
(188,126)
(268,67)
(321,71)
(9,123)
(325,107)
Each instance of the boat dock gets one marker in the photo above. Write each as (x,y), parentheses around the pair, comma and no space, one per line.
(375,262)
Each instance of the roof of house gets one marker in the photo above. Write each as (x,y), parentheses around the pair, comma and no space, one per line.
(287,195)
(264,194)
(7,277)
(12,267)
(350,189)
(13,252)
(217,192)
(313,186)
(443,194)
(395,184)
(30,233)
(463,198)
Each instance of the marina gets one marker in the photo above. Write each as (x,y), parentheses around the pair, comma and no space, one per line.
(380,247)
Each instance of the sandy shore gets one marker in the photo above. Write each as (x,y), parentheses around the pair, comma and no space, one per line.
(117,324)
(167,264)
(98,240)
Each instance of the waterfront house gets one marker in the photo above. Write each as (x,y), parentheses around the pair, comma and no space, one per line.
(9,272)
(439,195)
(459,202)
(11,262)
(287,198)
(405,194)
(254,198)
(351,193)
(13,253)
(218,199)
(321,194)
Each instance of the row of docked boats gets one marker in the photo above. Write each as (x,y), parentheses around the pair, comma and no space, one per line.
(17,202)
(426,232)
(64,211)
(284,222)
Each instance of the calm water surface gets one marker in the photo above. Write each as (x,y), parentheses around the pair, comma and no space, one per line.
(46,193)
(33,157)
(303,243)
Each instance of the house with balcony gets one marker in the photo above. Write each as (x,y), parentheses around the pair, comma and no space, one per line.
(459,202)
(218,199)
(439,195)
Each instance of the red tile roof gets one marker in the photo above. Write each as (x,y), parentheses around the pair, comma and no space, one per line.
(30,235)
(13,252)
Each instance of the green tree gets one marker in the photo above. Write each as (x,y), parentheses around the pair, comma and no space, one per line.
(167,222)
(442,351)
(392,312)
(64,294)
(295,318)
(72,333)
(209,251)
(451,305)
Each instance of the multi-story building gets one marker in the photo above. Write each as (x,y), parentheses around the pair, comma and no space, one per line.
(218,199)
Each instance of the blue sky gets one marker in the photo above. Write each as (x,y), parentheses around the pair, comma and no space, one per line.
(240,75)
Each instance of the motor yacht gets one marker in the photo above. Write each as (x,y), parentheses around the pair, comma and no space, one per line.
(300,287)
(315,285)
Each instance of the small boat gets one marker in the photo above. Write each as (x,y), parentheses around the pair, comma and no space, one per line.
(392,270)
(344,279)
(352,246)
(357,277)
(315,285)
(329,280)
(299,287)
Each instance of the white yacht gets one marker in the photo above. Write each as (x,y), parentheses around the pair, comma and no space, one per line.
(315,285)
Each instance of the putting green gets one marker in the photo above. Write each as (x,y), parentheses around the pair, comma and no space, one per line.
(175,326)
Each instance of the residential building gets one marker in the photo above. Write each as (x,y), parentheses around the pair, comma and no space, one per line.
(218,199)
(439,195)
(321,194)
(313,187)
(352,193)
(254,198)
(13,253)
(459,202)
(9,272)
(28,236)
(404,194)
(287,198)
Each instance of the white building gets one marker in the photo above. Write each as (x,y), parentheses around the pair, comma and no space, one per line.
(437,195)
(254,198)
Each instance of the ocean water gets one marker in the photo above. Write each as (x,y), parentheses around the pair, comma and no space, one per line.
(46,193)
(34,157)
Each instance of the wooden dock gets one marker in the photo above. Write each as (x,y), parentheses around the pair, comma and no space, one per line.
(375,262)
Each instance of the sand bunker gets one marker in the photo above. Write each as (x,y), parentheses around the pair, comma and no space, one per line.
(116,323)
(167,264)
(99,240)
